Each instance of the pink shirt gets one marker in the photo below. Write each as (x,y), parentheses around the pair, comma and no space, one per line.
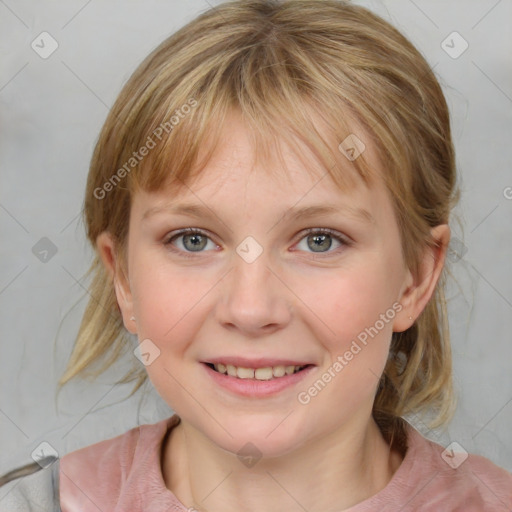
(124,474)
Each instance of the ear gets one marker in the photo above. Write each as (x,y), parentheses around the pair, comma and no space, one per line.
(107,251)
(417,292)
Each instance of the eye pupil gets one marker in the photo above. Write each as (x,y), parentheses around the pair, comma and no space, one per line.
(319,242)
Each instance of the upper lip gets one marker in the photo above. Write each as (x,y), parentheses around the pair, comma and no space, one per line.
(261,362)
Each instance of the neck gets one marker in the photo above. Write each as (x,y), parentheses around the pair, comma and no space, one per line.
(334,472)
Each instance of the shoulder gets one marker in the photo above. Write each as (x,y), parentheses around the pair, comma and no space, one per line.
(94,475)
(34,492)
(437,478)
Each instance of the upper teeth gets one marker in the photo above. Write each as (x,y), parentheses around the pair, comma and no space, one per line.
(256,373)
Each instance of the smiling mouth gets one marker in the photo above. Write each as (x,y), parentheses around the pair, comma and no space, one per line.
(266,373)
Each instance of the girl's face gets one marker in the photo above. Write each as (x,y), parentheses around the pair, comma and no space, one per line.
(251,288)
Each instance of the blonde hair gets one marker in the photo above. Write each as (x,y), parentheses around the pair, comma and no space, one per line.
(277,63)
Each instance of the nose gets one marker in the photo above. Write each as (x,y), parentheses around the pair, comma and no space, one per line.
(254,301)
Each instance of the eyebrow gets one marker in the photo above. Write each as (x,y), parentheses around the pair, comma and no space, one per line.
(298,213)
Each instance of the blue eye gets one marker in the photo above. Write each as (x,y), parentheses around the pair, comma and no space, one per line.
(321,240)
(193,240)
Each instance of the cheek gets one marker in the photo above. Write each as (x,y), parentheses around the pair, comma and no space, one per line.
(166,300)
(356,312)
(352,301)
(169,304)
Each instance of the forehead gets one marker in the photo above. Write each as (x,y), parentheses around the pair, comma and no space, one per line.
(288,182)
(286,165)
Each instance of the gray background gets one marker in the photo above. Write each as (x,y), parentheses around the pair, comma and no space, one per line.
(51,112)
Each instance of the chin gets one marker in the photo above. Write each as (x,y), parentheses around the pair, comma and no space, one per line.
(260,435)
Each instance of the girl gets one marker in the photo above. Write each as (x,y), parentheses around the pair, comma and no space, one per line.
(269,201)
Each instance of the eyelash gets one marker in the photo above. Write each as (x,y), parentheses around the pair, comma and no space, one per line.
(344,241)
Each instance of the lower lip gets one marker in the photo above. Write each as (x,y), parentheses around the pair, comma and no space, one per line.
(257,388)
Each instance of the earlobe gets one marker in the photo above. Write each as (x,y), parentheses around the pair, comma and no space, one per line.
(418,291)
(106,247)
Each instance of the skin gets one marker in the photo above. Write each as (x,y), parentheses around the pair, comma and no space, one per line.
(327,454)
